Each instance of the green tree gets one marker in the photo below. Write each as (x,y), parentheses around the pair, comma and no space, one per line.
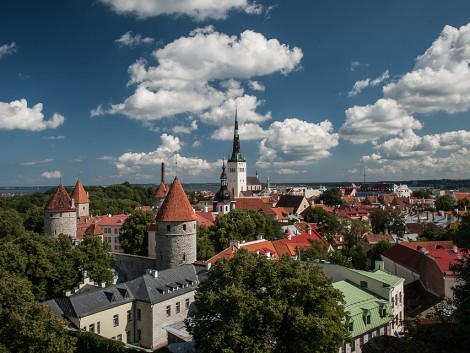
(242,224)
(328,224)
(332,197)
(391,221)
(204,246)
(444,203)
(378,221)
(461,236)
(133,237)
(378,249)
(252,304)
(422,194)
(34,219)
(28,326)
(92,256)
(11,223)
(462,296)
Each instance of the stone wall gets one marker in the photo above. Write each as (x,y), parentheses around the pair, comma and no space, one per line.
(175,244)
(56,223)
(132,266)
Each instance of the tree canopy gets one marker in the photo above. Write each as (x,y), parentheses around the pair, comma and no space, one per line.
(133,237)
(242,224)
(332,197)
(422,194)
(28,326)
(328,224)
(444,203)
(391,221)
(252,304)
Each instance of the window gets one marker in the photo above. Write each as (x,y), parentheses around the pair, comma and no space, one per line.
(98,327)
(116,240)
(106,230)
(139,314)
(366,318)
(187,303)
(139,335)
(91,328)
(115,231)
(119,337)
(129,317)
(184,227)
(168,310)
(383,311)
(168,228)
(128,337)
(115,320)
(363,284)
(178,307)
(351,326)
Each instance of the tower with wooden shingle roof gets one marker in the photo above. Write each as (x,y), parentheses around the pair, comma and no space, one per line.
(60,214)
(175,236)
(82,202)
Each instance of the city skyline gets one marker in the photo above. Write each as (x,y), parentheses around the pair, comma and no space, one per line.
(107,90)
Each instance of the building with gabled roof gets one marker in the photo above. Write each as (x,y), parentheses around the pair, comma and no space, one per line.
(367,315)
(80,197)
(379,282)
(296,202)
(60,214)
(175,236)
(429,262)
(255,204)
(135,312)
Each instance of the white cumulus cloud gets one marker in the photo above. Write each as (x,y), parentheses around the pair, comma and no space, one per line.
(196,9)
(52,175)
(368,82)
(294,142)
(129,40)
(439,82)
(7,49)
(17,115)
(429,155)
(187,79)
(368,123)
(136,163)
(256,86)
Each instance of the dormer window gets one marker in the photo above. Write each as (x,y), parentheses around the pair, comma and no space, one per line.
(366,317)
(363,284)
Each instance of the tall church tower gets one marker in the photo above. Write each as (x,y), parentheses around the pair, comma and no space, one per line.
(223,202)
(236,166)
(175,236)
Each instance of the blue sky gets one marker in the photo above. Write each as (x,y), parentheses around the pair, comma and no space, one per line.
(106,90)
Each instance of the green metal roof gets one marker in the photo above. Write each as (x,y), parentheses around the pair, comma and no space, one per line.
(359,303)
(381,276)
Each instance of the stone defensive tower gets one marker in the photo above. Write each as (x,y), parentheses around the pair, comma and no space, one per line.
(82,202)
(60,214)
(175,236)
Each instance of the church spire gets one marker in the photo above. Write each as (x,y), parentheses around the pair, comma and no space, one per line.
(236,154)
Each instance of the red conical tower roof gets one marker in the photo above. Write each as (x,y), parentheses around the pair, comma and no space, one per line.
(79,194)
(176,207)
(161,192)
(60,201)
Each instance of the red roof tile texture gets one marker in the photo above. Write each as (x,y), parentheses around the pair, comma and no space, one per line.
(79,194)
(176,206)
(60,201)
(162,191)
(94,229)
(255,204)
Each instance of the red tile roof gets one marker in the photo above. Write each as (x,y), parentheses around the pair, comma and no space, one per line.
(79,194)
(162,191)
(60,201)
(112,220)
(176,206)
(462,196)
(205,218)
(94,229)
(255,204)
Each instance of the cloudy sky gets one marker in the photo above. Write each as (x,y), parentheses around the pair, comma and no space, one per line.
(106,90)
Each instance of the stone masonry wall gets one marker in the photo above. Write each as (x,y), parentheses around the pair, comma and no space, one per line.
(175,244)
(63,222)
